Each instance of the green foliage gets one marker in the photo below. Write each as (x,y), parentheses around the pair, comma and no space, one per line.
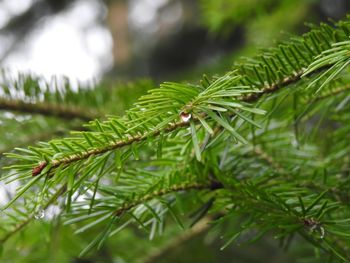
(222,16)
(64,99)
(262,148)
(42,108)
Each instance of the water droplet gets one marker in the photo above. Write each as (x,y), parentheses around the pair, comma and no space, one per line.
(185,117)
(39,213)
(322,232)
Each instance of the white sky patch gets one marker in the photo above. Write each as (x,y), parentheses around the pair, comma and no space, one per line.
(84,13)
(7,188)
(144,14)
(9,8)
(4,16)
(5,42)
(16,7)
(96,41)
(72,44)
(58,49)
(172,14)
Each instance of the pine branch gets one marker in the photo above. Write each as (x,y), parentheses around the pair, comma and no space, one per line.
(45,109)
(201,227)
(25,222)
(174,188)
(97,151)
(253,97)
(269,160)
(127,205)
(63,99)
(332,93)
(45,135)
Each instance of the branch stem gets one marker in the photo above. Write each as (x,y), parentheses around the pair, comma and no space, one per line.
(46,109)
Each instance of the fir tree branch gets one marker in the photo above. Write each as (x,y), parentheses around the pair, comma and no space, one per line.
(269,160)
(46,109)
(331,93)
(112,146)
(127,206)
(24,223)
(253,97)
(202,226)
(174,188)
(36,138)
(63,99)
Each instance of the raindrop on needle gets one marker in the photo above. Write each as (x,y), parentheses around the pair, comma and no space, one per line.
(39,213)
(185,117)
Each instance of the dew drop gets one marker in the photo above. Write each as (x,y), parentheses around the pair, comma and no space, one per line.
(322,232)
(185,117)
(39,213)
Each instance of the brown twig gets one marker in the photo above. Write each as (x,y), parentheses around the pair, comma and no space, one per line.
(175,188)
(199,228)
(46,109)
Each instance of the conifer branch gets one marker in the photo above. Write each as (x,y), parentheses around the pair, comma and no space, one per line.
(127,206)
(25,222)
(46,135)
(201,227)
(174,188)
(253,97)
(112,146)
(269,160)
(331,93)
(59,98)
(46,109)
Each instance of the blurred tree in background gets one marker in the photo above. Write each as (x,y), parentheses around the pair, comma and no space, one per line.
(285,164)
